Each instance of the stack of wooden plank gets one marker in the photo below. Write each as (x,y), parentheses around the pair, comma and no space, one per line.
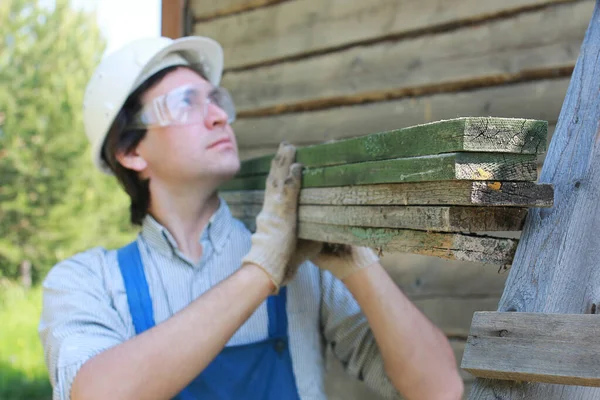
(439,189)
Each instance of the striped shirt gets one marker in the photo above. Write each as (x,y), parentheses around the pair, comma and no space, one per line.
(85,309)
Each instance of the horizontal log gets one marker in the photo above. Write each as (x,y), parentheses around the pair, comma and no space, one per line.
(543,100)
(437,219)
(453,314)
(461,193)
(421,277)
(305,27)
(534,347)
(443,167)
(497,51)
(476,134)
(203,10)
(452,246)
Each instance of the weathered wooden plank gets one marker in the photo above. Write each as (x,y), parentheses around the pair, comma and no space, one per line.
(302,27)
(246,153)
(494,52)
(452,246)
(461,193)
(543,100)
(443,167)
(437,219)
(477,134)
(203,10)
(556,265)
(534,347)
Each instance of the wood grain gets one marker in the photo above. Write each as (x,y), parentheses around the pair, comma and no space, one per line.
(543,100)
(452,246)
(497,51)
(302,27)
(476,134)
(461,193)
(534,347)
(422,277)
(438,219)
(203,10)
(443,167)
(556,265)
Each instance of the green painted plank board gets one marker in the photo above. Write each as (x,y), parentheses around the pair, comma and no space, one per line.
(477,134)
(443,167)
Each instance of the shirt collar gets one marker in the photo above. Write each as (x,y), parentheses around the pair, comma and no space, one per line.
(217,231)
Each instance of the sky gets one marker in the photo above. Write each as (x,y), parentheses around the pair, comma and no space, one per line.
(123,20)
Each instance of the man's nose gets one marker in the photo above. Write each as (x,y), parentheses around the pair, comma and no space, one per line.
(215,116)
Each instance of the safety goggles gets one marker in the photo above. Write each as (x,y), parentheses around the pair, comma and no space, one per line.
(185,105)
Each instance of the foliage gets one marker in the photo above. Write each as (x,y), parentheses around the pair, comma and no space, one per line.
(23,373)
(52,202)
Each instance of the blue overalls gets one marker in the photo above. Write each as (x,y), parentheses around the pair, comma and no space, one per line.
(261,370)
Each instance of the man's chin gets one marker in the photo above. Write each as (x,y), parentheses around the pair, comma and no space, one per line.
(226,174)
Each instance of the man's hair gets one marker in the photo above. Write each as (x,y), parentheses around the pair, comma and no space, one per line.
(120,140)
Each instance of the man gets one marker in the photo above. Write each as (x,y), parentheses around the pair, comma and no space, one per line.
(198,307)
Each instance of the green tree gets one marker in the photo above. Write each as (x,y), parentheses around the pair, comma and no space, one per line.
(52,202)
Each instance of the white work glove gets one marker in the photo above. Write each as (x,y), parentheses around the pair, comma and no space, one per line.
(275,239)
(339,259)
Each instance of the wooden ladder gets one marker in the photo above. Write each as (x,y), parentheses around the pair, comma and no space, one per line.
(544,342)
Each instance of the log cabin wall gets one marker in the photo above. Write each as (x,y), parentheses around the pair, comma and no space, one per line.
(310,71)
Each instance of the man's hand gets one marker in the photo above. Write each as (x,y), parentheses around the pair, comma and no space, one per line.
(275,238)
(344,260)
(339,259)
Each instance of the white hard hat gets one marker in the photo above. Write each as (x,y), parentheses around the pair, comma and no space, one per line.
(122,71)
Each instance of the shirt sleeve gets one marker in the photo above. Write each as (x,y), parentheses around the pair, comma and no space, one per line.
(77,320)
(347,331)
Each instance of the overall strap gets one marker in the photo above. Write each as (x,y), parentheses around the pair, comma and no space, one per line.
(276,306)
(136,287)
(138,295)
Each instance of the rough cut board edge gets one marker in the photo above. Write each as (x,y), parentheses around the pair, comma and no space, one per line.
(476,134)
(435,219)
(452,246)
(441,167)
(533,336)
(461,193)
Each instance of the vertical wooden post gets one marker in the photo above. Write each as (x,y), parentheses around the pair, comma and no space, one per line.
(557,265)
(172,18)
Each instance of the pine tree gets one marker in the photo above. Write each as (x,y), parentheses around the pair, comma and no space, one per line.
(52,202)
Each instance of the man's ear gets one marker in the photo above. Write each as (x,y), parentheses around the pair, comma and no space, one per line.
(132,160)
